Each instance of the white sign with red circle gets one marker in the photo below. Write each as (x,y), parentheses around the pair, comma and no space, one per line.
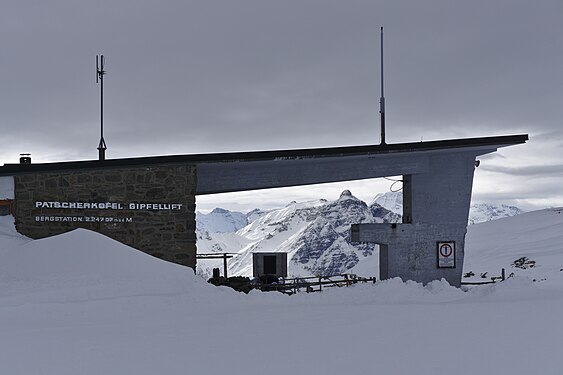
(446,254)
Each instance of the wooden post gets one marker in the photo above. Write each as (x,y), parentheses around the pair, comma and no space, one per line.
(225,265)
(503,275)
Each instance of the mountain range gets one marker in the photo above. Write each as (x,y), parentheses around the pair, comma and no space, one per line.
(314,234)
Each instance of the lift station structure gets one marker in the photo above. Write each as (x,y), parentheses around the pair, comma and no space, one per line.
(149,202)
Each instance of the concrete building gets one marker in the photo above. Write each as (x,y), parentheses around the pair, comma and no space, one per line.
(149,203)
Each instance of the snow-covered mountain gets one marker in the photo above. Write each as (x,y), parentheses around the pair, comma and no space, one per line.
(314,234)
(478,213)
(483,212)
(221,221)
(392,200)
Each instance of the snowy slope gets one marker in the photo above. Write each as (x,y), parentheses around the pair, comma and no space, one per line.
(81,265)
(391,200)
(483,212)
(478,212)
(250,237)
(274,232)
(536,236)
(81,303)
(221,221)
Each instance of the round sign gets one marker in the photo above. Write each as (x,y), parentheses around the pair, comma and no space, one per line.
(446,250)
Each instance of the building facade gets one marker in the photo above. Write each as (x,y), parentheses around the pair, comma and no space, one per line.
(149,203)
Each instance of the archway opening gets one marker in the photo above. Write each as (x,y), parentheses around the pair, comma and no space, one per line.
(310,223)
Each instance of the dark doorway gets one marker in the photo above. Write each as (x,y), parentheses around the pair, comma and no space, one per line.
(270,265)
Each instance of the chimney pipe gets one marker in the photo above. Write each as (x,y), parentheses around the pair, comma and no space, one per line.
(25,158)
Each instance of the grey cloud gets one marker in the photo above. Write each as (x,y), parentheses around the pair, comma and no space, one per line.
(221,75)
(530,171)
(222,69)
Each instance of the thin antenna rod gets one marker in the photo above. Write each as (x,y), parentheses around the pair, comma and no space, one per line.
(382,99)
(100,72)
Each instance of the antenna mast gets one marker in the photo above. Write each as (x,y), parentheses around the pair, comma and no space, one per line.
(100,72)
(382,98)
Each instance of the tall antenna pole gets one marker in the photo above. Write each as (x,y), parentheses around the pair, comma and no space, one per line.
(100,72)
(382,99)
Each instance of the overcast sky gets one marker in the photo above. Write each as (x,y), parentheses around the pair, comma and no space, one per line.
(211,76)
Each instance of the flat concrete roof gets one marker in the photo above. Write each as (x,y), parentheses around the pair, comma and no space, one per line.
(238,171)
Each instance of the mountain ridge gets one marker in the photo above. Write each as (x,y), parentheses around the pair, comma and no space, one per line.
(314,234)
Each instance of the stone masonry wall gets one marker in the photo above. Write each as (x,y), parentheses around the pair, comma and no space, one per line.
(151,209)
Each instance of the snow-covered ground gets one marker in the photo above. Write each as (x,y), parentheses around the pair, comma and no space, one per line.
(529,244)
(81,303)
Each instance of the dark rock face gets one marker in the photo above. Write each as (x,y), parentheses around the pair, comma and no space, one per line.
(316,239)
(386,216)
(324,248)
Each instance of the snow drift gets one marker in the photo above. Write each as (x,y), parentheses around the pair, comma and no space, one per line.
(81,303)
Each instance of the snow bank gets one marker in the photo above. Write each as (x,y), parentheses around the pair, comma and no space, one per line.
(535,238)
(9,237)
(83,265)
(81,303)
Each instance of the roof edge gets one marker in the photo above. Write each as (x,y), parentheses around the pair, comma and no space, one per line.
(493,142)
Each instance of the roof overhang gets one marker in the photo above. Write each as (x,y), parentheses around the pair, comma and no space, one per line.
(238,171)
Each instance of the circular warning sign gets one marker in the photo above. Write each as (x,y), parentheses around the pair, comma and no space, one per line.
(446,250)
(446,254)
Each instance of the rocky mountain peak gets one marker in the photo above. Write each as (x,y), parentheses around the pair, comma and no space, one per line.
(346,193)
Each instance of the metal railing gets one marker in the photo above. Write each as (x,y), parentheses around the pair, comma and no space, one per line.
(492,280)
(314,283)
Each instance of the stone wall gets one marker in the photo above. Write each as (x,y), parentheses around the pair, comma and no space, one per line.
(151,209)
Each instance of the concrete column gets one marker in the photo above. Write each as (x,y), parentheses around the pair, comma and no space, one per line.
(436,209)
